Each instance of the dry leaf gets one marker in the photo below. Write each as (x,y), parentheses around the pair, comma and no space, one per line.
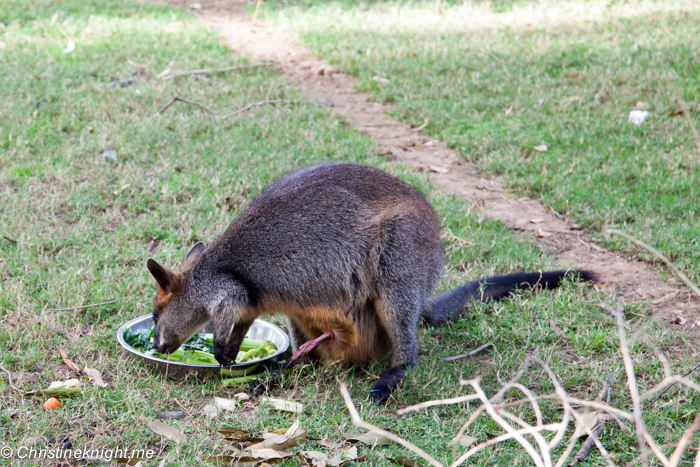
(164,430)
(317,458)
(438,169)
(544,233)
(237,434)
(677,112)
(70,363)
(466,440)
(282,404)
(536,221)
(229,460)
(95,377)
(509,110)
(289,432)
(642,105)
(371,438)
(271,442)
(266,453)
(591,419)
(242,396)
(540,148)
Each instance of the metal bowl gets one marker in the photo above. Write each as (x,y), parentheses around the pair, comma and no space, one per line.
(260,330)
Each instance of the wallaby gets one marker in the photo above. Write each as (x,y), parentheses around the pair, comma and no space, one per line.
(350,254)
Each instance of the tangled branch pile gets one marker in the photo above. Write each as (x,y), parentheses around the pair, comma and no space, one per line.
(541,451)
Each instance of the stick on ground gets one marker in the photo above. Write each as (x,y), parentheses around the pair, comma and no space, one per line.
(235,112)
(658,254)
(468,354)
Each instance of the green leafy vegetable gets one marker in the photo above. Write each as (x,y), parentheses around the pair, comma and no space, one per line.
(198,349)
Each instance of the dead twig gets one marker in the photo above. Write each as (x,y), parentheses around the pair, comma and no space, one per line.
(675,458)
(588,444)
(672,384)
(658,255)
(357,420)
(632,384)
(10,240)
(69,363)
(9,378)
(235,112)
(73,308)
(206,71)
(270,102)
(468,354)
(176,99)
(423,405)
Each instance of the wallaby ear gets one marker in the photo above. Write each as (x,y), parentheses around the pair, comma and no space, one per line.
(160,274)
(195,251)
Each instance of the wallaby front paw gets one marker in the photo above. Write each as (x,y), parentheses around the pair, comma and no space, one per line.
(224,354)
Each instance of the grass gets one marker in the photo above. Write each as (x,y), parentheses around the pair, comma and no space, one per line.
(493,81)
(77,227)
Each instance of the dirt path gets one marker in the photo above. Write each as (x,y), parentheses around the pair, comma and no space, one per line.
(634,279)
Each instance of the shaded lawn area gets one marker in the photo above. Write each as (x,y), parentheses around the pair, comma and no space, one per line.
(81,225)
(493,81)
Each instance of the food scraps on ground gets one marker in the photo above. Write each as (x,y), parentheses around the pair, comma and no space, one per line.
(52,403)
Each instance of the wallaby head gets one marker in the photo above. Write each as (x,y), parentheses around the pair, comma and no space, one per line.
(177,313)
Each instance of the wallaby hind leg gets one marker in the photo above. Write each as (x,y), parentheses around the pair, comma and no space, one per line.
(400,316)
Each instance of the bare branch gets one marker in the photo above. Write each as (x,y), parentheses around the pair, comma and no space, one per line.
(468,354)
(658,255)
(632,383)
(423,405)
(675,459)
(176,99)
(261,103)
(673,380)
(357,420)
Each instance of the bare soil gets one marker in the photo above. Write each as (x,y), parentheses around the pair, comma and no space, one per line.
(632,279)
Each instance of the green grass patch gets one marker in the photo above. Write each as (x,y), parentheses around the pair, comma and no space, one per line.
(77,227)
(494,84)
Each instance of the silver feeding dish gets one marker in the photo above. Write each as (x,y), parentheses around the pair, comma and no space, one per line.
(260,330)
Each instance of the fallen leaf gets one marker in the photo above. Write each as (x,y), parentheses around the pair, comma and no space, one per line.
(544,233)
(676,113)
(226,404)
(242,396)
(164,430)
(407,461)
(229,460)
(289,432)
(379,79)
(266,453)
(540,148)
(509,110)
(121,190)
(237,434)
(317,458)
(298,437)
(282,404)
(536,221)
(95,377)
(642,105)
(371,438)
(211,411)
(591,419)
(69,363)
(438,169)
(466,440)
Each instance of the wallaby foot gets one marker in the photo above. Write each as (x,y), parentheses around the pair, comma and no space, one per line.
(307,347)
(388,381)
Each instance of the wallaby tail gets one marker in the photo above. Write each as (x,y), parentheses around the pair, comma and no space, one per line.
(452,303)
